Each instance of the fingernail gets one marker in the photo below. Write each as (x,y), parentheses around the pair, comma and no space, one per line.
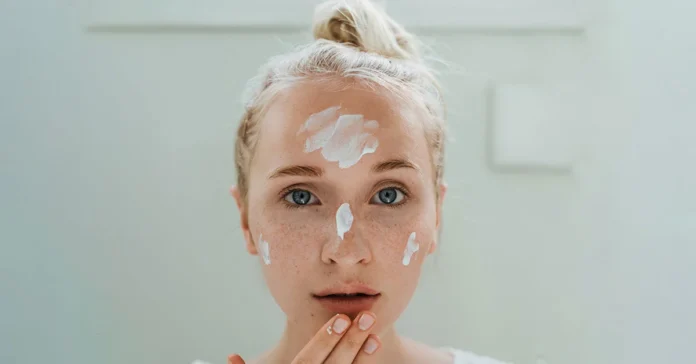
(366,321)
(370,345)
(340,325)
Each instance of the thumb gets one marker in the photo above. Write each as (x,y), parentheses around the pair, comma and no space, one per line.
(235,359)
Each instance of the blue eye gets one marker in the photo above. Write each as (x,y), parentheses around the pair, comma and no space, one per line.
(388,196)
(300,197)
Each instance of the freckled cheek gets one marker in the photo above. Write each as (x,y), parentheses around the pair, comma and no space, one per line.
(296,237)
(389,231)
(388,246)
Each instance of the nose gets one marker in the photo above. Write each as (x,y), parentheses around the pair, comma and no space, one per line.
(349,251)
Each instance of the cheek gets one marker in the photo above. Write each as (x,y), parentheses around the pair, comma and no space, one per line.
(294,237)
(389,231)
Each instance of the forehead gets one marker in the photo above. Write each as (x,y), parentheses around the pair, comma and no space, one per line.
(400,134)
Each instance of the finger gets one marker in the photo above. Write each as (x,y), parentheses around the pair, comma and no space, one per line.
(235,359)
(320,346)
(349,346)
(372,344)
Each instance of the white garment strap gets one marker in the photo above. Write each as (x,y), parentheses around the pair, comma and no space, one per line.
(465,357)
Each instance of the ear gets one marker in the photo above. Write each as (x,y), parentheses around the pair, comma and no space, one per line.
(443,192)
(244,220)
(438,216)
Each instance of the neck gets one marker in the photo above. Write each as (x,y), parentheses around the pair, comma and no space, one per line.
(295,337)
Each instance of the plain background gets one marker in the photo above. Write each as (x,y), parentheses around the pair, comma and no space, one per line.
(120,244)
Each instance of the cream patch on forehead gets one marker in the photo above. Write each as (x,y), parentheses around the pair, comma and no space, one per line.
(342,138)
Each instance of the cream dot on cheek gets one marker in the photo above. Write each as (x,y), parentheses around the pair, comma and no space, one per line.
(411,248)
(344,220)
(265,250)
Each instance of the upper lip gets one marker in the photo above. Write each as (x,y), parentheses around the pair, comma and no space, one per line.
(350,288)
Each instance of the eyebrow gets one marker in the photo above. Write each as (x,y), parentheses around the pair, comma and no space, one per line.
(393,164)
(297,171)
(311,171)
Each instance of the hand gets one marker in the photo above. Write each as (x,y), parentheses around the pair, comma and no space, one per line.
(342,342)
(338,342)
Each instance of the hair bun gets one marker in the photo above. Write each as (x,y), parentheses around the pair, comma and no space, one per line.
(341,27)
(365,26)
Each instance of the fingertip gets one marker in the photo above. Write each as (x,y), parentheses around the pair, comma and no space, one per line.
(341,315)
(336,317)
(235,359)
(338,325)
(372,344)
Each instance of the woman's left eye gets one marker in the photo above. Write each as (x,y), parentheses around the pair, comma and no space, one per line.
(388,196)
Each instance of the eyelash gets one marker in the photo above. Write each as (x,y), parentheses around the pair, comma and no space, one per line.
(294,188)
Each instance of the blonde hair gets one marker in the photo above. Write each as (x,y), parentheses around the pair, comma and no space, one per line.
(354,40)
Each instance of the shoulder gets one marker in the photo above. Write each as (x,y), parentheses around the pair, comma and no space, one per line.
(465,357)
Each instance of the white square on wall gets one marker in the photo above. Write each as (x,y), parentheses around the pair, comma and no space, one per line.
(528,129)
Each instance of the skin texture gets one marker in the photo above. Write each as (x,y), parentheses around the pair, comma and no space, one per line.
(307,255)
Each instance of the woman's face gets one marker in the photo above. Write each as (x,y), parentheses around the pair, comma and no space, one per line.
(311,161)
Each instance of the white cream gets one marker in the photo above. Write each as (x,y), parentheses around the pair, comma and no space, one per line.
(319,120)
(371,124)
(344,220)
(341,138)
(265,250)
(411,248)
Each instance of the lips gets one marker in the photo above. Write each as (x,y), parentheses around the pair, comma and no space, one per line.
(348,299)
(346,290)
(346,295)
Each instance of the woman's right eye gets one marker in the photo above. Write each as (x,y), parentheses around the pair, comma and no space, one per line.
(301,198)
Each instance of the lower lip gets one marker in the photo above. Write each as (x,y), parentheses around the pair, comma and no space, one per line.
(348,305)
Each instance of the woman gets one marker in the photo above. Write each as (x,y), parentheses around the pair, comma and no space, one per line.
(339,160)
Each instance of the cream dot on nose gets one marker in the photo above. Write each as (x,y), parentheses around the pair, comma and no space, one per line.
(344,220)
